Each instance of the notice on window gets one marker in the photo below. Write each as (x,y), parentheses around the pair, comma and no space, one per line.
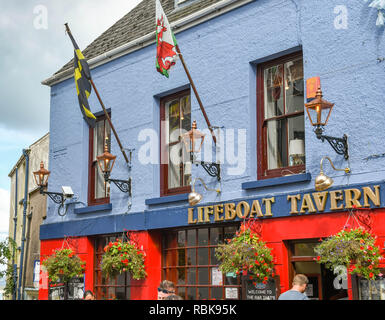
(216,277)
(231,293)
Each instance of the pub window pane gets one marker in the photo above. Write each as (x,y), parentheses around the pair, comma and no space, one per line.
(230,279)
(216,236)
(120,293)
(203,276)
(182,292)
(191,237)
(203,293)
(191,257)
(181,257)
(273,91)
(203,237)
(102,132)
(294,86)
(203,256)
(181,276)
(191,293)
(191,276)
(121,279)
(181,238)
(230,232)
(213,258)
(276,144)
(296,128)
(217,293)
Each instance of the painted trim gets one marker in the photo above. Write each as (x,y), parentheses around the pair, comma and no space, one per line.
(167,199)
(296,178)
(91,209)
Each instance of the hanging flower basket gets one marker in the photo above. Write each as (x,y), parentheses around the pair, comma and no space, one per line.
(123,256)
(246,254)
(355,249)
(63,265)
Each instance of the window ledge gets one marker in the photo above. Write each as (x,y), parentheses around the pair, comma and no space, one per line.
(168,199)
(92,209)
(276,181)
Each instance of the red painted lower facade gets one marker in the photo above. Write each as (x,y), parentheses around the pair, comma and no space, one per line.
(277,233)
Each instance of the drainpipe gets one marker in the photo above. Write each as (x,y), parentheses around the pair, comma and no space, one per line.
(19,292)
(29,216)
(14,240)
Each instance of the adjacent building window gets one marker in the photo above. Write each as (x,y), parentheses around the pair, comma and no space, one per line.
(189,261)
(98,189)
(175,169)
(281,128)
(105,288)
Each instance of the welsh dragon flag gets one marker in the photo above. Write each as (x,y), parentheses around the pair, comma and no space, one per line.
(166,54)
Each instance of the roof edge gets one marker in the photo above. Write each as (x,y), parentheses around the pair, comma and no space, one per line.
(180,25)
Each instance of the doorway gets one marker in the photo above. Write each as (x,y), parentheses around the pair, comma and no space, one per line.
(323,283)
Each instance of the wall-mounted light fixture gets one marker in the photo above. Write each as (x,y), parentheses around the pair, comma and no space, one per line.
(41,180)
(322,181)
(106,163)
(193,141)
(319,111)
(195,197)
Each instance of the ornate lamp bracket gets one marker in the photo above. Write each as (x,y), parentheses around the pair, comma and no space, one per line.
(123,185)
(340,145)
(212,168)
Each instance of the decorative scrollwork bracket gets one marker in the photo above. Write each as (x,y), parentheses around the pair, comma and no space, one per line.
(340,145)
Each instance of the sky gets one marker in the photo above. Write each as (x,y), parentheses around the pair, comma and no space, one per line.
(33,46)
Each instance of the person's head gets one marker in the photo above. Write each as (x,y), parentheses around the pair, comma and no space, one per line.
(173,297)
(165,289)
(88,295)
(300,282)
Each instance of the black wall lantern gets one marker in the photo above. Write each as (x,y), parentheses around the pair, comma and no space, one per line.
(319,111)
(193,141)
(106,162)
(41,180)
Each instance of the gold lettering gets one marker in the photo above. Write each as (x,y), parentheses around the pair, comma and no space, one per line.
(218,209)
(307,204)
(191,219)
(374,196)
(352,200)
(334,198)
(294,204)
(240,213)
(208,211)
(230,212)
(320,200)
(267,202)
(200,214)
(256,208)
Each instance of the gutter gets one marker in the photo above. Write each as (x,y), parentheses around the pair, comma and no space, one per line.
(25,201)
(180,25)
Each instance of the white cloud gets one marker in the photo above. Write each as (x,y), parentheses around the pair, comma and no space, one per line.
(4,210)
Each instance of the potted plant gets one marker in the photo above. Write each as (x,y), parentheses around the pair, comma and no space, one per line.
(355,249)
(123,256)
(246,254)
(62,266)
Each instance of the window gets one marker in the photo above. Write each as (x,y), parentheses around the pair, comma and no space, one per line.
(189,261)
(105,288)
(175,169)
(281,127)
(98,189)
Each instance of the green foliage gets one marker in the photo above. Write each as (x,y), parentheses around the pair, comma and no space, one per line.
(7,247)
(355,249)
(63,265)
(246,253)
(124,256)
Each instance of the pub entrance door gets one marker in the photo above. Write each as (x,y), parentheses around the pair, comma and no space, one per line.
(324,284)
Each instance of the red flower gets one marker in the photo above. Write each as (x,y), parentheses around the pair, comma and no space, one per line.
(256,262)
(318,258)
(265,278)
(371,275)
(370,248)
(256,254)
(370,267)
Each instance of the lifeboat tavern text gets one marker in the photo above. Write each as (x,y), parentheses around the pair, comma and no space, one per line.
(287,205)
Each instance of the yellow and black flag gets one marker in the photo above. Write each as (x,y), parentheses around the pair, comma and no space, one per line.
(82,80)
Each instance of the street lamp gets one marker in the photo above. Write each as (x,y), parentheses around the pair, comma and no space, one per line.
(193,141)
(106,162)
(319,111)
(41,180)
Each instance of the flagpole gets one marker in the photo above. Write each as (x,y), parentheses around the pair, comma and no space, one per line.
(104,109)
(109,120)
(196,93)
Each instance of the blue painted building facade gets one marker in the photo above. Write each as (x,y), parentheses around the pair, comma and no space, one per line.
(342,46)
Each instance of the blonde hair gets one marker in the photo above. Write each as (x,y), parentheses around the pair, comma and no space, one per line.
(300,280)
